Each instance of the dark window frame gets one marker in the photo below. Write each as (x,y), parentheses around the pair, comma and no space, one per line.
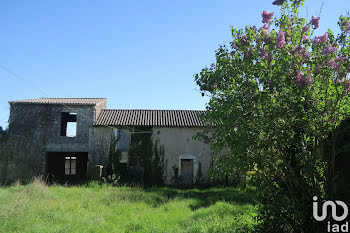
(72,170)
(67,117)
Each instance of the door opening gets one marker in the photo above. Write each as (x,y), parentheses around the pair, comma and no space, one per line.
(187,172)
(66,166)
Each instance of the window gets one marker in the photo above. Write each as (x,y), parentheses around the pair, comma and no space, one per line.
(124,158)
(69,124)
(70,166)
(123,139)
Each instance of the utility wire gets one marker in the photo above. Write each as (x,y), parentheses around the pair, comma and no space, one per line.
(47,96)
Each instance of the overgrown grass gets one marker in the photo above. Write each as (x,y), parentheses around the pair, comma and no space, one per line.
(93,208)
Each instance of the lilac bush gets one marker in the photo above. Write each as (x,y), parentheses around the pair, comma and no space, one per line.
(280,91)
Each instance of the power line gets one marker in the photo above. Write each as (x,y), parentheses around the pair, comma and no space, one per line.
(47,96)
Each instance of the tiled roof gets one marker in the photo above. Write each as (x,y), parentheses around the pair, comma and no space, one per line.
(74,101)
(162,118)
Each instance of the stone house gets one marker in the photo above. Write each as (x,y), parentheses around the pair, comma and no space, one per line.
(65,137)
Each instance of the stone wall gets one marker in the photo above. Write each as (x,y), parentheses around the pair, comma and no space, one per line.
(99,107)
(36,129)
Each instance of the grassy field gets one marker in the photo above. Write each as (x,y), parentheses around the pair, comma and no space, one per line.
(39,208)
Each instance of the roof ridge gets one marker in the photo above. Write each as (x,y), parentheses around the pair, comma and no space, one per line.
(73,101)
(69,98)
(137,109)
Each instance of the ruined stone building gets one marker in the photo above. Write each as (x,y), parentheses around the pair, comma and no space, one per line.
(65,137)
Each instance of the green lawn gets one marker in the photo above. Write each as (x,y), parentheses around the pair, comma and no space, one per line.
(93,208)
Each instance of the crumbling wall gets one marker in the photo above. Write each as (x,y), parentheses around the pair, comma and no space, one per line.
(21,158)
(24,149)
(99,145)
(99,107)
(80,143)
(35,129)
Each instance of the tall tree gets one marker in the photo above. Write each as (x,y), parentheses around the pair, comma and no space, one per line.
(276,93)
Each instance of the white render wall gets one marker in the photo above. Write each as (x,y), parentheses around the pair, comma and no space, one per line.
(179,144)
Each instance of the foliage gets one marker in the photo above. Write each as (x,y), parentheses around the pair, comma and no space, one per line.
(16,161)
(199,182)
(176,178)
(147,154)
(342,160)
(114,166)
(223,172)
(37,207)
(112,179)
(3,155)
(276,94)
(158,164)
(199,176)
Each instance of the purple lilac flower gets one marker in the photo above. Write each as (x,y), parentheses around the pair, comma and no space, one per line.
(306,55)
(297,48)
(300,79)
(278,2)
(333,64)
(243,39)
(267,16)
(324,37)
(341,80)
(305,38)
(318,69)
(316,40)
(340,59)
(347,85)
(320,39)
(330,49)
(234,46)
(263,54)
(309,76)
(315,22)
(305,28)
(265,28)
(280,40)
(347,28)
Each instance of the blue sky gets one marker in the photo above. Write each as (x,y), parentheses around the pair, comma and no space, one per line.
(138,54)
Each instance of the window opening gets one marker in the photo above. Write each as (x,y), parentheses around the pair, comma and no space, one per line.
(69,124)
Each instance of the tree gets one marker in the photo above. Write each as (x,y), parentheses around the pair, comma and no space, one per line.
(147,154)
(276,94)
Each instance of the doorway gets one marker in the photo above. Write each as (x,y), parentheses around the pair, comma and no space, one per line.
(187,172)
(66,166)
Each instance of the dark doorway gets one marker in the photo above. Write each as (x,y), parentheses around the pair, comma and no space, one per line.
(67,166)
(187,172)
